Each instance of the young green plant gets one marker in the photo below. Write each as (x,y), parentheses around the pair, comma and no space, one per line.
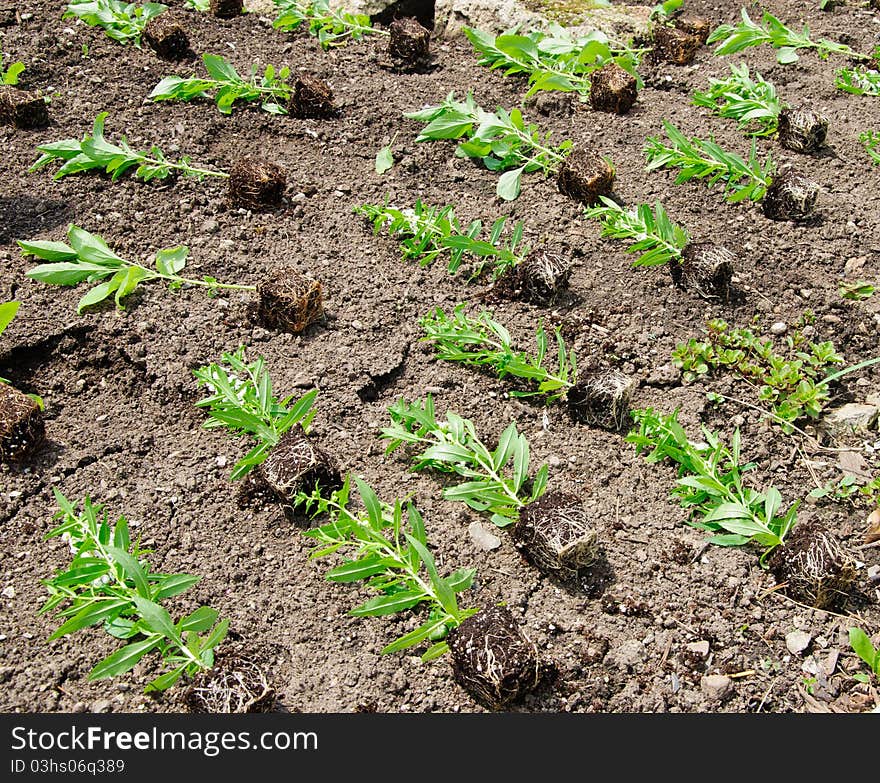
(750,100)
(496,482)
(748,33)
(858,290)
(501,141)
(862,646)
(121,21)
(428,232)
(331,27)
(553,59)
(700,159)
(271,89)
(858,81)
(710,483)
(870,140)
(242,401)
(95,152)
(8,311)
(391,553)
(110,582)
(482,341)
(88,258)
(9,76)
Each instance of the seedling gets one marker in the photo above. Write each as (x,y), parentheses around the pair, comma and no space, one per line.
(96,152)
(862,646)
(199,5)
(10,75)
(736,38)
(710,483)
(793,384)
(858,81)
(109,581)
(121,21)
(751,101)
(848,489)
(857,290)
(331,27)
(241,400)
(392,554)
(89,259)
(270,89)
(430,232)
(501,141)
(385,157)
(553,59)
(870,140)
(8,311)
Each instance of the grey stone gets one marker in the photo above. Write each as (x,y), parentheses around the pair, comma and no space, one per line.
(797,641)
(716,686)
(482,538)
(849,419)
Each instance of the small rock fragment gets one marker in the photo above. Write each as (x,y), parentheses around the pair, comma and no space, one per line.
(716,687)
(482,538)
(850,419)
(797,642)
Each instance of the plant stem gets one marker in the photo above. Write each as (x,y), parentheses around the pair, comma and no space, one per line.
(184,167)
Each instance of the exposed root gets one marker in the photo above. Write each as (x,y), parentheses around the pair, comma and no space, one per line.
(289,301)
(602,399)
(234,685)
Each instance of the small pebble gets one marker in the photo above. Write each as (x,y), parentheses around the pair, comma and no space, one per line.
(780,327)
(797,641)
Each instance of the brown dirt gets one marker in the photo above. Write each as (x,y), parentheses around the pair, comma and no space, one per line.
(659,610)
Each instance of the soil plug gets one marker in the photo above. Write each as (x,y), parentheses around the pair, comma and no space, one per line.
(554,533)
(166,36)
(289,301)
(705,268)
(227,9)
(234,685)
(790,196)
(493,659)
(585,176)
(409,44)
(802,130)
(695,26)
(602,399)
(311,99)
(674,45)
(612,89)
(539,278)
(22,429)
(21,108)
(813,567)
(256,184)
(297,465)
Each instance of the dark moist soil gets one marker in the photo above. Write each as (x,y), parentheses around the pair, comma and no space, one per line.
(658,612)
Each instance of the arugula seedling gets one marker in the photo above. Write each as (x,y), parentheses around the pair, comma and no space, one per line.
(484,342)
(428,232)
(858,81)
(121,21)
(10,75)
(701,159)
(862,646)
(650,232)
(331,27)
(870,140)
(501,141)
(752,102)
(555,59)
(89,259)
(710,484)
(241,400)
(271,89)
(735,38)
(497,482)
(95,152)
(109,582)
(391,553)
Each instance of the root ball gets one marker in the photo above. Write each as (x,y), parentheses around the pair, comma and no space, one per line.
(226,9)
(802,130)
(790,196)
(602,399)
(612,89)
(311,99)
(584,176)
(234,685)
(22,428)
(21,108)
(165,35)
(695,26)
(409,44)
(289,301)
(674,45)
(297,465)
(554,534)
(539,279)
(256,184)
(705,268)
(813,567)
(493,659)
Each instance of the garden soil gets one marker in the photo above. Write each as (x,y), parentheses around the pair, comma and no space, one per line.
(664,622)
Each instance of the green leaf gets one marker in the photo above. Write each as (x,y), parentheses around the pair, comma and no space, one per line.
(7,313)
(412,638)
(123,660)
(200,620)
(389,604)
(91,614)
(435,651)
(371,503)
(445,594)
(861,645)
(156,618)
(97,294)
(48,251)
(133,570)
(384,160)
(216,636)
(164,681)
(356,570)
(220,69)
(170,261)
(509,182)
(175,585)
